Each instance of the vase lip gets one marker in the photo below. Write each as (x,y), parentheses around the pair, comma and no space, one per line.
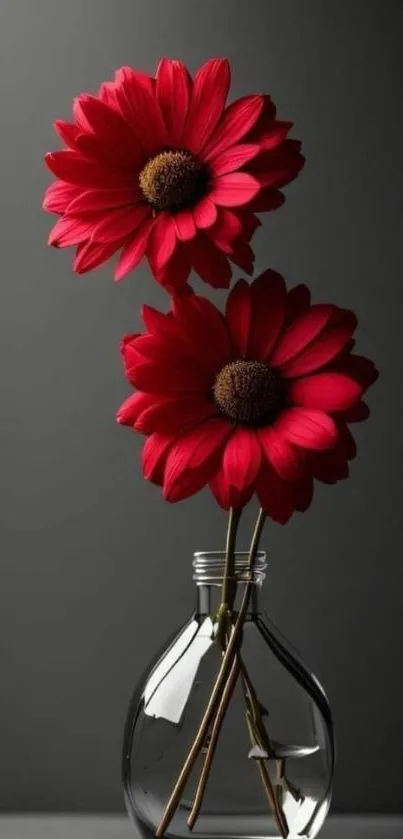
(209,566)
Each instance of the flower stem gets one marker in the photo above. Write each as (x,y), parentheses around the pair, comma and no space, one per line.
(219,685)
(214,737)
(229,584)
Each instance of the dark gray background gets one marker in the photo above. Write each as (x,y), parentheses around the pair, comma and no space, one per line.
(90,551)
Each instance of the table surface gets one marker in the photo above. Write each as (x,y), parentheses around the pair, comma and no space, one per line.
(118,827)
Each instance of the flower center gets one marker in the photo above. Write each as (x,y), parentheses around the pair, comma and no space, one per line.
(173,180)
(247,392)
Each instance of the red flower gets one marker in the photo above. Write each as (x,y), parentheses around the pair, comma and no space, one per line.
(161,167)
(258,400)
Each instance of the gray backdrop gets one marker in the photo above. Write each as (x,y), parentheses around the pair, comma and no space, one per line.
(89,550)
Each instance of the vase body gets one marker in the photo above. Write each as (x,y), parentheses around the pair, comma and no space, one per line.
(169,704)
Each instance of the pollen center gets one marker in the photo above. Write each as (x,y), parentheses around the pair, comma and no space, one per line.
(247,392)
(173,180)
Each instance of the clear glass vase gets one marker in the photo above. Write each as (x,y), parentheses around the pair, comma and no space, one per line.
(278,785)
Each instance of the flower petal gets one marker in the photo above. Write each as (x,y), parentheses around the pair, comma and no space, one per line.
(308,428)
(283,456)
(205,213)
(238,315)
(320,352)
(234,189)
(173,95)
(274,135)
(174,415)
(162,241)
(133,252)
(91,255)
(143,113)
(298,301)
(92,200)
(72,167)
(70,230)
(268,300)
(120,222)
(111,131)
(59,195)
(326,391)
(275,495)
(241,459)
(155,453)
(209,92)
(175,273)
(209,262)
(205,323)
(301,332)
(67,131)
(233,159)
(237,120)
(185,225)
(133,406)
(193,459)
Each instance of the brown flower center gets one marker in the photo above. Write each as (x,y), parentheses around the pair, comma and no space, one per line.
(248,392)
(173,180)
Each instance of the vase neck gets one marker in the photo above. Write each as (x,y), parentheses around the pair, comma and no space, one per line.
(209,569)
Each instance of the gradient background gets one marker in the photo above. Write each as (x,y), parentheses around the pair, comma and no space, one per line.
(89,549)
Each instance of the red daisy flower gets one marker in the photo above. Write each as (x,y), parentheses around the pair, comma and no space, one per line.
(258,400)
(161,167)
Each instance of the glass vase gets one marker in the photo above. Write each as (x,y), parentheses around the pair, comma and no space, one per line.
(271,773)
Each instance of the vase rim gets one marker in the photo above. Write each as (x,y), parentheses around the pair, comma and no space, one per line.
(209,566)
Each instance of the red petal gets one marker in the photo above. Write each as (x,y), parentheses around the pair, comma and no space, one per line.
(326,391)
(275,496)
(205,326)
(71,167)
(193,459)
(67,131)
(241,459)
(132,407)
(119,223)
(162,240)
(142,111)
(275,135)
(233,159)
(237,120)
(205,213)
(238,314)
(174,415)
(358,413)
(278,167)
(173,95)
(134,250)
(298,301)
(209,262)
(210,88)
(59,195)
(303,493)
(285,458)
(266,201)
(234,190)
(268,299)
(155,453)
(70,230)
(92,200)
(243,256)
(301,332)
(175,273)
(113,135)
(310,429)
(185,225)
(227,228)
(92,254)
(317,354)
(361,369)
